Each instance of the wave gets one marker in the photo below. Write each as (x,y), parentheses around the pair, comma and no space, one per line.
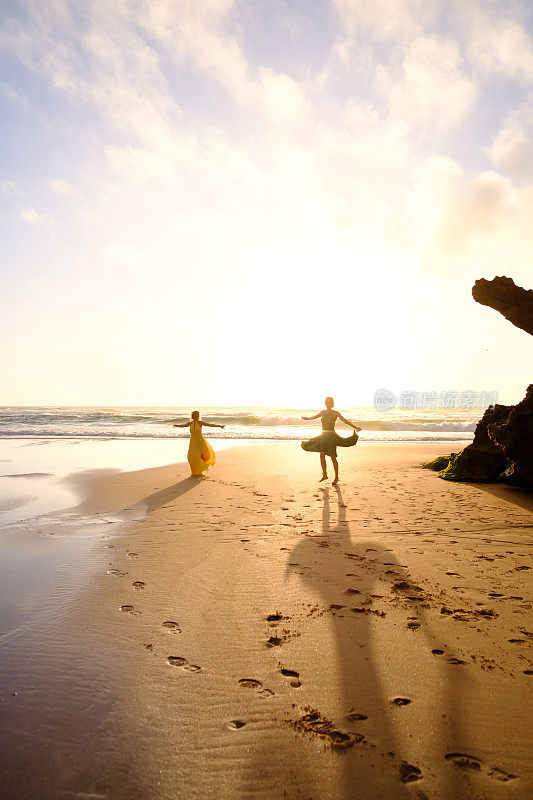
(270,436)
(119,422)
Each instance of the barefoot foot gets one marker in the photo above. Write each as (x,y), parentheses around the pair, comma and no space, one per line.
(323,478)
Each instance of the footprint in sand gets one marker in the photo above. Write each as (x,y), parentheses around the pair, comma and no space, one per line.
(355,716)
(133,555)
(409,773)
(176,661)
(437,652)
(501,774)
(252,683)
(138,584)
(464,761)
(126,608)
(116,572)
(454,660)
(179,661)
(291,673)
(314,723)
(274,641)
(173,627)
(401,701)
(236,724)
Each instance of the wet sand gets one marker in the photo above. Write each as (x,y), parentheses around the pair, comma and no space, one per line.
(258,634)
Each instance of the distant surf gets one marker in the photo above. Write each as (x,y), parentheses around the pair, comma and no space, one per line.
(258,423)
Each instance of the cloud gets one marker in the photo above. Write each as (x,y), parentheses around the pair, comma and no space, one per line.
(25,211)
(282,99)
(348,60)
(202,32)
(29,215)
(60,186)
(10,189)
(262,163)
(429,93)
(495,38)
(512,148)
(454,219)
(386,19)
(14,96)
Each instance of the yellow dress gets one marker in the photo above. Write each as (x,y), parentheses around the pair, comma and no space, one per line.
(201,455)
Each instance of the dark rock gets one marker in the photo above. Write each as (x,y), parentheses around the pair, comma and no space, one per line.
(515,303)
(484,459)
(514,436)
(503,441)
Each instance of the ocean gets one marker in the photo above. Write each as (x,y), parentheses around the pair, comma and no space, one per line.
(275,424)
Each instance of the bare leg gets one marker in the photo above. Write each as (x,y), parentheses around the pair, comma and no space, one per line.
(324,467)
(336,468)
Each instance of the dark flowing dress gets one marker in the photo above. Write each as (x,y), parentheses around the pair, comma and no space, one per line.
(329,440)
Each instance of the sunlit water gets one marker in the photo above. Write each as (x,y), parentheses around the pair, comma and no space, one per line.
(42,544)
(241,423)
(33,471)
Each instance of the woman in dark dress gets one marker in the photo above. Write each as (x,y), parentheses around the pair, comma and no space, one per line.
(326,444)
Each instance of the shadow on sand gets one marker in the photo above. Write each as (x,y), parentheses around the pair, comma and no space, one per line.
(158,499)
(517,495)
(330,557)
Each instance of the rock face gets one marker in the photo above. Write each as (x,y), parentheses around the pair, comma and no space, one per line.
(502,449)
(515,303)
(514,435)
(484,460)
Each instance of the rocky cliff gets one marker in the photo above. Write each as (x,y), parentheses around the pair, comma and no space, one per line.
(502,449)
(481,461)
(515,303)
(514,435)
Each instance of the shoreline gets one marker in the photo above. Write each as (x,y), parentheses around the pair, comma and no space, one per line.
(28,489)
(290,633)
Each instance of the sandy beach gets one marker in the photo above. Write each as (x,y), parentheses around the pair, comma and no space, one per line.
(258,634)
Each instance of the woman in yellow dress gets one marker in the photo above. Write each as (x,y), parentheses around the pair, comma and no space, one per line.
(201,455)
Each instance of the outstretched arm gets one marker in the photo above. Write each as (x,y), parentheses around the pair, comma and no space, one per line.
(212,425)
(181,424)
(347,422)
(316,416)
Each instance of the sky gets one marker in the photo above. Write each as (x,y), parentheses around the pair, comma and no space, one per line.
(261,201)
